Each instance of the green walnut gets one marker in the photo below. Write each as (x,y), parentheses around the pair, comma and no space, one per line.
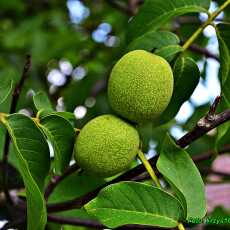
(106,146)
(140,86)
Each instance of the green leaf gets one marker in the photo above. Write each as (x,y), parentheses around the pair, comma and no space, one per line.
(66,115)
(5,89)
(224,59)
(180,171)
(152,40)
(223,134)
(224,43)
(42,102)
(225,92)
(222,131)
(223,35)
(32,152)
(135,203)
(75,185)
(155,13)
(69,188)
(223,32)
(169,52)
(186,77)
(62,137)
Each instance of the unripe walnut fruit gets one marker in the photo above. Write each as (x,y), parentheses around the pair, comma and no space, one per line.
(140,86)
(106,146)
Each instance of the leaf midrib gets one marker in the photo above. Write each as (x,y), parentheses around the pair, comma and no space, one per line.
(136,212)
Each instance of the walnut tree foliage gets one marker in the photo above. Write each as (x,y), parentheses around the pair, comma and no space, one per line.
(48,191)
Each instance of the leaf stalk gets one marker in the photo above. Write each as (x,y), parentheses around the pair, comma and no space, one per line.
(204,25)
(149,168)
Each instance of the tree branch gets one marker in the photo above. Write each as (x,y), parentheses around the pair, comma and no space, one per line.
(16,94)
(204,125)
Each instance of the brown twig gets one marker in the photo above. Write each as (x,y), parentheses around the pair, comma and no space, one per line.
(16,94)
(213,107)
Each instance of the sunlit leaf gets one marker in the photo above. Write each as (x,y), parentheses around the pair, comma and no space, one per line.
(62,137)
(180,171)
(152,40)
(32,153)
(42,102)
(135,203)
(66,115)
(154,13)
(169,52)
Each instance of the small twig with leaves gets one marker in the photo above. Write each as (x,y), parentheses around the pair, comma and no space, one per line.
(79,202)
(187,139)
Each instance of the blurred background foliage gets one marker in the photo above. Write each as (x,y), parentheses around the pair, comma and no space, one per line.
(74,45)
